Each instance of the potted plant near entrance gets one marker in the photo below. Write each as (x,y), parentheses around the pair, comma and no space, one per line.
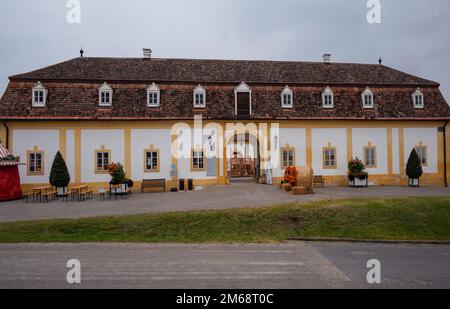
(357,177)
(59,174)
(414,169)
(118,177)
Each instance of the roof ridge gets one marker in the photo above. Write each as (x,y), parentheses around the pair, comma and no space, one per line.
(229,60)
(225,70)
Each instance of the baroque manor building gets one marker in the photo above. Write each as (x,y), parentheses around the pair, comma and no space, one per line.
(101,110)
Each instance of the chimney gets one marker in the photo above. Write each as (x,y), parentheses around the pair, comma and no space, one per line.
(147,53)
(326,58)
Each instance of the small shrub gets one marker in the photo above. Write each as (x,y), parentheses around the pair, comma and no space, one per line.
(59,174)
(414,167)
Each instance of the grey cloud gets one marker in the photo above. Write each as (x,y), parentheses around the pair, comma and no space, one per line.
(412,36)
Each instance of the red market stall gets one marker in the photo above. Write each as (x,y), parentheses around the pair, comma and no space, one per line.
(9,176)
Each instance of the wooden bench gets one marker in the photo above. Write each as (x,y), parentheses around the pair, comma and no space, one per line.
(50,194)
(86,194)
(318,182)
(153,183)
(26,197)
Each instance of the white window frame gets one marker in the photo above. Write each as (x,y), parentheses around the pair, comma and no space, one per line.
(199,90)
(327,92)
(418,94)
(153,89)
(105,88)
(422,154)
(39,87)
(367,93)
(287,92)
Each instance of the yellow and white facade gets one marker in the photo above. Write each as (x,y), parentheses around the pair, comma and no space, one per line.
(127,142)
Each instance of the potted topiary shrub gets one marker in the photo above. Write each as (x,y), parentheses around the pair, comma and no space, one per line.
(59,174)
(357,177)
(414,169)
(118,177)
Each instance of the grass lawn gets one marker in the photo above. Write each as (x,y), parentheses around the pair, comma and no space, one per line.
(424,218)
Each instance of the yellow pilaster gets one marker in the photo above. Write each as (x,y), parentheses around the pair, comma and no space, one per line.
(77,155)
(62,142)
(308,147)
(401,142)
(127,151)
(349,144)
(389,150)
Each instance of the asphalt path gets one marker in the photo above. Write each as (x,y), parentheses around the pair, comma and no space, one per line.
(225,266)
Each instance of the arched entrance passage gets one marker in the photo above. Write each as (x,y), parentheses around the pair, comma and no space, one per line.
(243,156)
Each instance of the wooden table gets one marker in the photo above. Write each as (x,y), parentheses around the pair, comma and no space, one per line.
(37,192)
(75,191)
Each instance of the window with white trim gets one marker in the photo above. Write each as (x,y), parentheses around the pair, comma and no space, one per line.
(417,97)
(199,97)
(287,98)
(370,156)
(287,156)
(329,157)
(153,95)
(422,152)
(105,95)
(367,98)
(35,162)
(197,160)
(327,98)
(39,95)
(103,159)
(151,160)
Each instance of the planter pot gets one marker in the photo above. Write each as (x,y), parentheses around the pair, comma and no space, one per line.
(358,183)
(122,189)
(61,190)
(414,182)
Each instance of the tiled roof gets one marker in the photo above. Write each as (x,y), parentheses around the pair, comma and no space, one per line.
(223,71)
(73,90)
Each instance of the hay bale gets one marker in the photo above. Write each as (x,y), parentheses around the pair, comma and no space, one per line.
(299,191)
(287,187)
(305,179)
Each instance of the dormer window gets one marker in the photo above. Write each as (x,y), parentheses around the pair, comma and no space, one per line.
(199,97)
(367,98)
(105,95)
(417,97)
(287,98)
(39,95)
(327,98)
(153,94)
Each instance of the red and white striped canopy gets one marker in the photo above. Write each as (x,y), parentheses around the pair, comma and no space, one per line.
(3,151)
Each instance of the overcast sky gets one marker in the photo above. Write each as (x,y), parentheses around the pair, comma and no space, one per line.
(413,35)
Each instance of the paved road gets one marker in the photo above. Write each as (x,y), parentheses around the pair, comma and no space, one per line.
(289,265)
(220,197)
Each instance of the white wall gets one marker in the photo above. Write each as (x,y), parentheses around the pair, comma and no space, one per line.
(70,153)
(142,139)
(46,140)
(295,137)
(319,139)
(378,138)
(429,137)
(189,139)
(92,140)
(395,152)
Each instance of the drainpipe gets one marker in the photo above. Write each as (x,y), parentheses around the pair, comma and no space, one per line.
(445,155)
